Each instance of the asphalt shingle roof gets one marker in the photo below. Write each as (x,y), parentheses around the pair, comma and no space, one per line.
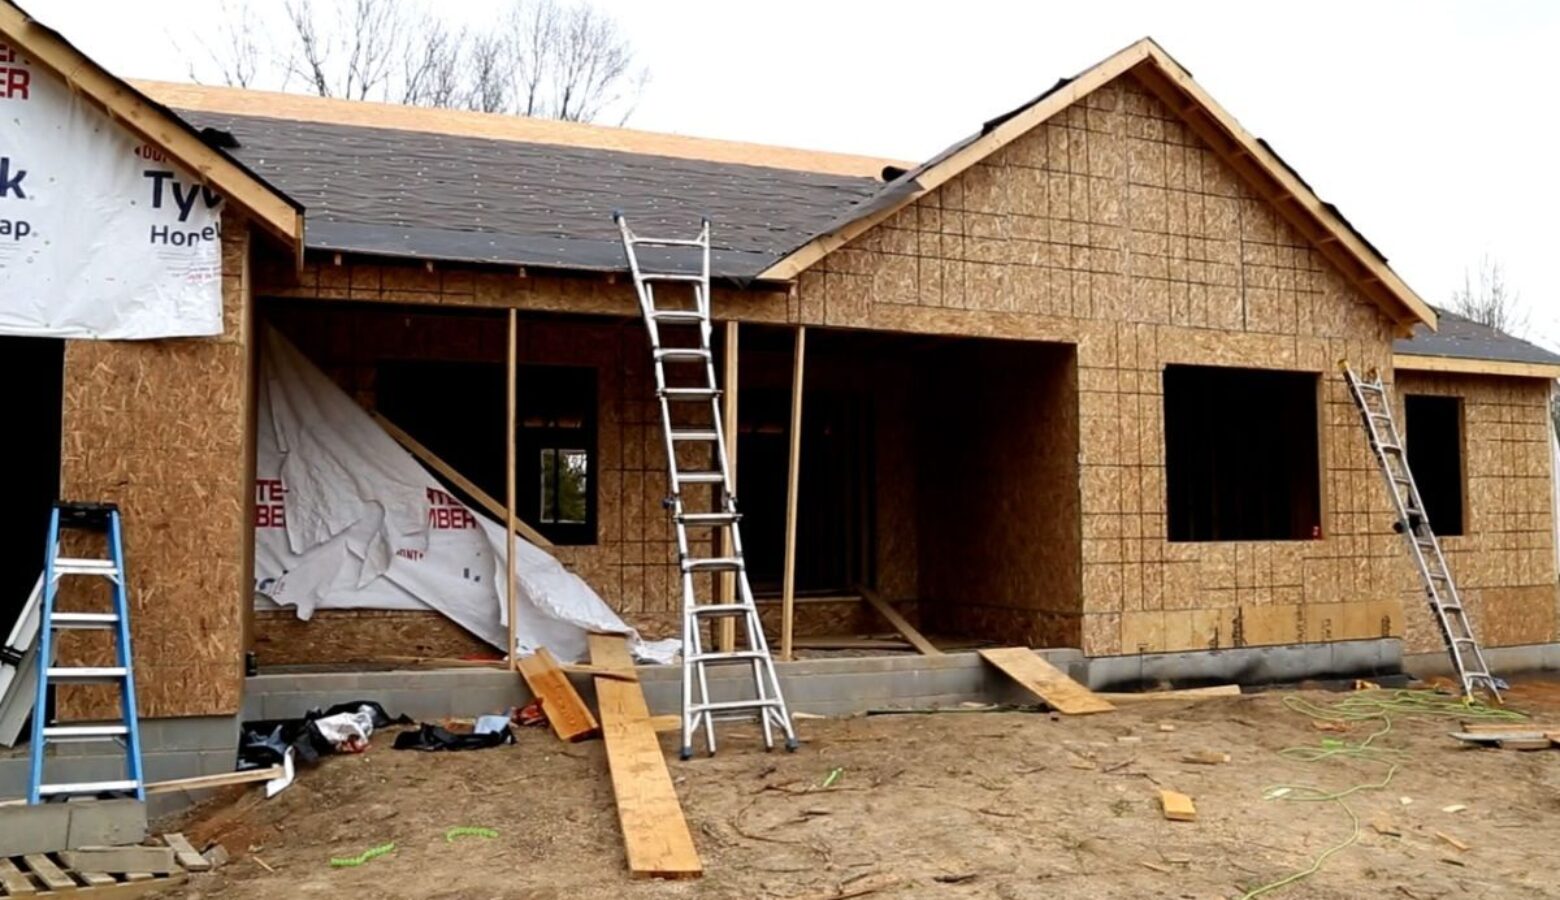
(1463,338)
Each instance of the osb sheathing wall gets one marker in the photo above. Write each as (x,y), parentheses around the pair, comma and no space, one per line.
(1504,562)
(999,520)
(160,428)
(1115,228)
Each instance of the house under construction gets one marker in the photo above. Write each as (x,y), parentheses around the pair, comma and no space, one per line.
(1071,383)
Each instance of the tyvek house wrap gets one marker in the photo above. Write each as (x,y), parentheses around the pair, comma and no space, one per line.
(347,519)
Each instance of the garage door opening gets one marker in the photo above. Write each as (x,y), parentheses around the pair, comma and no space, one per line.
(1241,454)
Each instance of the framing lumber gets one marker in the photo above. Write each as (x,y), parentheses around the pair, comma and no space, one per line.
(1161,74)
(655,833)
(566,712)
(727,640)
(1177,806)
(900,624)
(206,782)
(792,484)
(1045,681)
(494,508)
(274,211)
(1202,693)
(1415,362)
(850,642)
(509,497)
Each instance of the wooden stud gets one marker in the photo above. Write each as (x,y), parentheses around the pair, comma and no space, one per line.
(793,476)
(728,580)
(494,508)
(655,832)
(899,623)
(510,462)
(222,779)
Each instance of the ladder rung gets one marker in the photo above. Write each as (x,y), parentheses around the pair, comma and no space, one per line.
(712,519)
(87,673)
(667,242)
(86,787)
(695,434)
(681,354)
(671,276)
(690,393)
(63,620)
(727,656)
(67,566)
(701,477)
(731,705)
(721,609)
(713,564)
(84,732)
(676,316)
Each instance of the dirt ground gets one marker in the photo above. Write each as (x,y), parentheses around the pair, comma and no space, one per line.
(1003,804)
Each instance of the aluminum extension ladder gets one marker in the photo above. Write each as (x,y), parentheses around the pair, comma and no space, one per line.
(695,365)
(103,517)
(1375,406)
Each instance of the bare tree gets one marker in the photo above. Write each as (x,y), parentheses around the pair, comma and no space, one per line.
(1489,301)
(560,59)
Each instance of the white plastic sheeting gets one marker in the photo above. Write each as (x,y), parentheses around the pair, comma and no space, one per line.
(101,236)
(347,519)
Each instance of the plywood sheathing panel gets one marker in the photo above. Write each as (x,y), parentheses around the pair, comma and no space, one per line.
(1504,563)
(1115,228)
(162,428)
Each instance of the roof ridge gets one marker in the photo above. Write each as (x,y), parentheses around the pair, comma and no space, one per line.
(499,126)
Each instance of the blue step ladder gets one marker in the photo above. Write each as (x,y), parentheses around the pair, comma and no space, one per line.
(98,517)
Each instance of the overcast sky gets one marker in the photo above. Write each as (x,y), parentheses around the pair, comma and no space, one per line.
(1432,125)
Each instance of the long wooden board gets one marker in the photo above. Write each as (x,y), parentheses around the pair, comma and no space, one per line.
(916,638)
(1045,681)
(566,712)
(655,833)
(1201,693)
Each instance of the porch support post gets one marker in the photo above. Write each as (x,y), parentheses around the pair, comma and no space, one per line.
(728,580)
(788,582)
(509,484)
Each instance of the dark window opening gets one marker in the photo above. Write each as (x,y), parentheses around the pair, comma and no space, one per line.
(1241,455)
(33,415)
(1434,436)
(457,410)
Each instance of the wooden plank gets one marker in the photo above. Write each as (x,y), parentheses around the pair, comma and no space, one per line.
(1500,737)
(1542,742)
(206,782)
(189,857)
(727,639)
(570,718)
(96,879)
(1177,807)
(48,872)
(118,860)
(792,483)
(655,833)
(494,508)
(1220,690)
(15,882)
(1507,728)
(900,624)
(846,642)
(1045,681)
(510,604)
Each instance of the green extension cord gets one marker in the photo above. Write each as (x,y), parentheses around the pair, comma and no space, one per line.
(469,831)
(1362,707)
(348,862)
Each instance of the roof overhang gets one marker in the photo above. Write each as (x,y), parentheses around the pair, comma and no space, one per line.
(274,211)
(1414,362)
(1268,175)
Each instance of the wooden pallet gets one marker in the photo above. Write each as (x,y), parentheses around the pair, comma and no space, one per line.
(46,875)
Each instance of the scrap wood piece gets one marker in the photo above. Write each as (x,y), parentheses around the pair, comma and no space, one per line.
(1206,757)
(570,717)
(901,625)
(48,872)
(601,671)
(223,779)
(1541,742)
(655,832)
(1502,727)
(1218,690)
(188,856)
(15,883)
(1451,840)
(1510,739)
(1045,681)
(1383,825)
(1177,807)
(466,485)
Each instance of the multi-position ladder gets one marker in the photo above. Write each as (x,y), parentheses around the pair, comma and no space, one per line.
(685,380)
(102,517)
(1375,406)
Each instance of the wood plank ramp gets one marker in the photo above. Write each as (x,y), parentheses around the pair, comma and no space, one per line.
(1045,681)
(655,833)
(570,718)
